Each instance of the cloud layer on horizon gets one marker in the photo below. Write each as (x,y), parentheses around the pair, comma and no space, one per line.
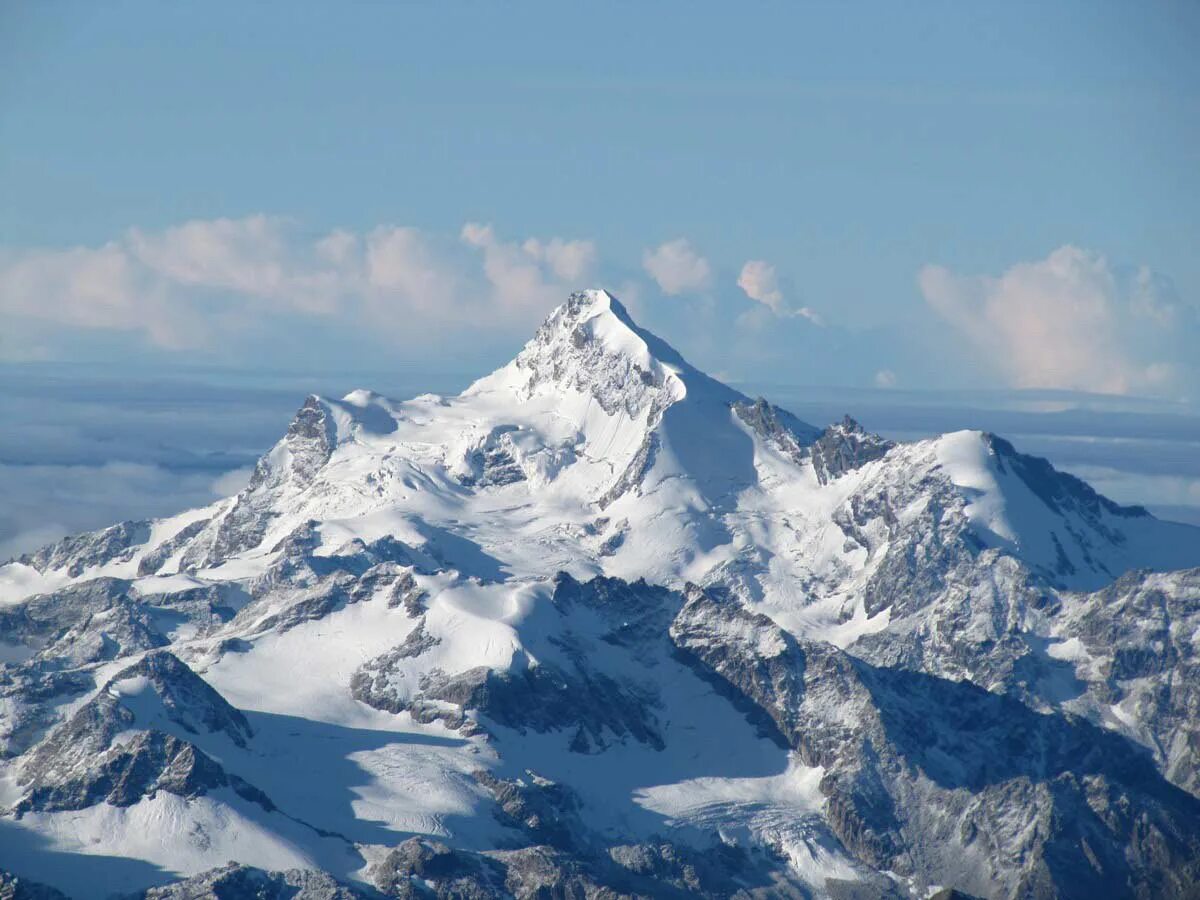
(260,289)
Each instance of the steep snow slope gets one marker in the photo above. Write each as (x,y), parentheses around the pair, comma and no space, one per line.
(540,614)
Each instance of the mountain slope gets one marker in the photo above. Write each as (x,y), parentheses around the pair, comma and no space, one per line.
(603,624)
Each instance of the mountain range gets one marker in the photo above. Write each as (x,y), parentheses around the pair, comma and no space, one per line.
(601,626)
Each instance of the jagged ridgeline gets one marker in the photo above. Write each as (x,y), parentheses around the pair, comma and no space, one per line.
(600,627)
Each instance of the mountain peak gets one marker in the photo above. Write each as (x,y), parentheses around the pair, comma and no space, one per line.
(589,303)
(591,345)
(595,317)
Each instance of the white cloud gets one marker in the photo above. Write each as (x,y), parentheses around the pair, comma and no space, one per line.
(515,276)
(568,260)
(405,277)
(759,282)
(885,378)
(532,275)
(256,257)
(95,288)
(196,284)
(243,255)
(165,285)
(338,247)
(677,268)
(1068,321)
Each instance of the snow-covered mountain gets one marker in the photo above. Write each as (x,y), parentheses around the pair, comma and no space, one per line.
(602,626)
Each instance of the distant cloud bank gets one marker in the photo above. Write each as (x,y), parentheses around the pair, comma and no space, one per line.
(234,289)
(190,285)
(1072,321)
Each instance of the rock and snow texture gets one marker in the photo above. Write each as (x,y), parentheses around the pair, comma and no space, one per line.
(601,626)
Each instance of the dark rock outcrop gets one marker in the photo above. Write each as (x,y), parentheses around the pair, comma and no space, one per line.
(14,887)
(148,762)
(777,427)
(239,882)
(985,793)
(844,447)
(104,753)
(80,552)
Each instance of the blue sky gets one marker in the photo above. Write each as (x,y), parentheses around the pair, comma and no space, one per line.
(846,147)
(933,215)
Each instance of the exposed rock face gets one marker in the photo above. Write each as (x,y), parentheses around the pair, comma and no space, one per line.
(1141,658)
(571,696)
(311,438)
(153,561)
(424,868)
(844,447)
(187,699)
(542,698)
(301,586)
(407,593)
(76,554)
(548,813)
(1122,657)
(980,789)
(636,614)
(545,872)
(106,618)
(29,698)
(376,684)
(238,882)
(494,462)
(717,871)
(13,887)
(288,469)
(566,351)
(1060,491)
(87,622)
(125,773)
(634,473)
(777,427)
(106,753)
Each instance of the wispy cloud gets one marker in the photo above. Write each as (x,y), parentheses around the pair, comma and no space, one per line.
(759,281)
(677,268)
(261,288)
(1071,321)
(569,260)
(193,285)
(531,275)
